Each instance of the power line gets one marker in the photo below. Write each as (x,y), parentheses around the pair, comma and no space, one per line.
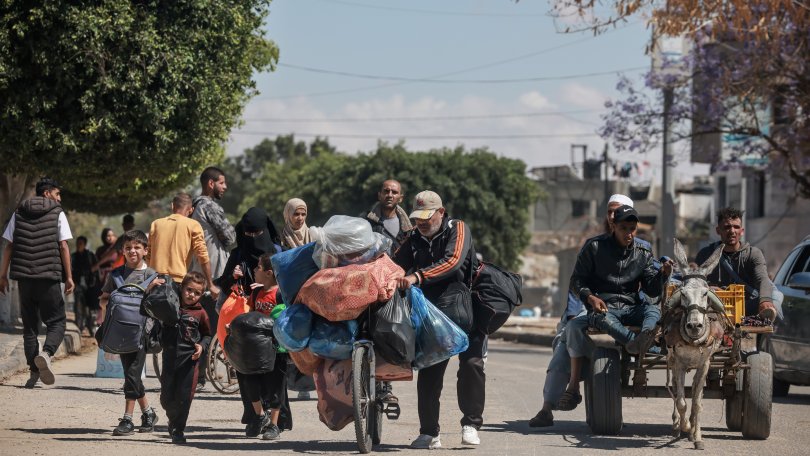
(396,136)
(433,12)
(458,81)
(443,75)
(421,118)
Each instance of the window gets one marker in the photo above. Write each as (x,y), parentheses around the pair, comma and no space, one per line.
(755,195)
(580,208)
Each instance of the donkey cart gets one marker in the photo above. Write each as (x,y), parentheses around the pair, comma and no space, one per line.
(738,373)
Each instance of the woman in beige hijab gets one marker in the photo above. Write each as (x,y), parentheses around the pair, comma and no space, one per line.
(296,231)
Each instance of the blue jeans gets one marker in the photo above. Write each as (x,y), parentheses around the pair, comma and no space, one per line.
(612,322)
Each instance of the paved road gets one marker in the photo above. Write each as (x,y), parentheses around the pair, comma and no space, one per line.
(77,415)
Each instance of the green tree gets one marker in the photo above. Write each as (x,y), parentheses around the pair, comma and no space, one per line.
(491,194)
(122,101)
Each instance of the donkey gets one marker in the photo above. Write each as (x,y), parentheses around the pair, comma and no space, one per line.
(694,322)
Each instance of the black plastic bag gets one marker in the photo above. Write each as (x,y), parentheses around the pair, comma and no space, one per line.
(162,303)
(393,335)
(249,344)
(495,293)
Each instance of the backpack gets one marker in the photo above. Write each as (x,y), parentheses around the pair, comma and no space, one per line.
(123,329)
(152,333)
(495,293)
(162,303)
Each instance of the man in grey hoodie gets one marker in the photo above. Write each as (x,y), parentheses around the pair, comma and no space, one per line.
(219,236)
(741,263)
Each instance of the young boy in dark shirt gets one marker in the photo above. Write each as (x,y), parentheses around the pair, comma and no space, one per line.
(182,346)
(133,271)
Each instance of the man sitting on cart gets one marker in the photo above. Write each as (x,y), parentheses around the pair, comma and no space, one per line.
(741,263)
(610,271)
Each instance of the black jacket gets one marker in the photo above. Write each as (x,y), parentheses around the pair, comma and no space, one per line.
(447,258)
(615,273)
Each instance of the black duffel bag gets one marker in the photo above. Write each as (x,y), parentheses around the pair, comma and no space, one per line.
(495,293)
(162,303)
(393,335)
(249,343)
(456,303)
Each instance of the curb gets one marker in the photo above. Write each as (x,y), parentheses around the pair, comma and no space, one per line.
(524,337)
(15,361)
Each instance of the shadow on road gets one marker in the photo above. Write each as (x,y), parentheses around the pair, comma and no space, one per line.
(64,431)
(798,399)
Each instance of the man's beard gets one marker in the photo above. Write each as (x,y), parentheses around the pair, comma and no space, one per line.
(432,230)
(217,194)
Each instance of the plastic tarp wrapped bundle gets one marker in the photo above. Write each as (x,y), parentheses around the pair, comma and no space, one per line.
(393,334)
(292,268)
(306,361)
(437,337)
(294,327)
(249,344)
(333,340)
(343,293)
(333,382)
(345,240)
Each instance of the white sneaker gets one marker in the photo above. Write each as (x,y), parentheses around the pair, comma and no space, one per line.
(43,363)
(469,436)
(427,442)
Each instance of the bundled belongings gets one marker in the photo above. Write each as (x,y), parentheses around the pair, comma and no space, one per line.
(393,333)
(123,328)
(294,327)
(162,302)
(249,343)
(343,293)
(387,372)
(306,361)
(345,240)
(293,268)
(333,340)
(495,293)
(333,382)
(235,304)
(437,337)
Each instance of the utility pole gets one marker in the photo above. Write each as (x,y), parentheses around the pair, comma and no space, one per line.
(607,174)
(666,221)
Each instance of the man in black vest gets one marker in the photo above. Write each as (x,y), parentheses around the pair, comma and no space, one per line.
(438,258)
(38,253)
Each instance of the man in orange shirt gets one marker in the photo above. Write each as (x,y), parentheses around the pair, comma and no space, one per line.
(174,239)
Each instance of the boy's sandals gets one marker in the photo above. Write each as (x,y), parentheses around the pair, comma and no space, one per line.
(569,400)
(544,418)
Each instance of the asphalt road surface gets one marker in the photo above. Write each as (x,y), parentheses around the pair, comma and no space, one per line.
(77,415)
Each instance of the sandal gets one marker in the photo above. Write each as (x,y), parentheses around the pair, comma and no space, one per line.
(544,418)
(569,400)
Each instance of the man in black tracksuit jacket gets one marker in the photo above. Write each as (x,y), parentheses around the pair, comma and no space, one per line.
(438,257)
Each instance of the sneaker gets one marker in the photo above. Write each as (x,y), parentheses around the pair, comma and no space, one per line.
(304,395)
(271,433)
(255,427)
(469,436)
(639,343)
(767,311)
(201,388)
(125,427)
(148,420)
(544,418)
(427,442)
(32,380)
(43,363)
(178,438)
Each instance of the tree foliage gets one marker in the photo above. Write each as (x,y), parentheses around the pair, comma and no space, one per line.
(491,194)
(124,101)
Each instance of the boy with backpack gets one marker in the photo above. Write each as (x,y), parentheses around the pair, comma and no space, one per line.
(134,271)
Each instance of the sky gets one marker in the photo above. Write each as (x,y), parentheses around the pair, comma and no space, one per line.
(497,74)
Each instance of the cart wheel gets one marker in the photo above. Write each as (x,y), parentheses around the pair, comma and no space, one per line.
(603,391)
(157,363)
(734,406)
(362,398)
(757,397)
(218,370)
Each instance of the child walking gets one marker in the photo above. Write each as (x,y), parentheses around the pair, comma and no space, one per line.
(182,346)
(267,392)
(134,271)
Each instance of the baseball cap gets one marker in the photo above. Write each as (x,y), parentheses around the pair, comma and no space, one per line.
(425,204)
(625,213)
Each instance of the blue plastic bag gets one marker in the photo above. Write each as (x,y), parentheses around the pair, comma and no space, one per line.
(292,269)
(293,327)
(333,339)
(437,337)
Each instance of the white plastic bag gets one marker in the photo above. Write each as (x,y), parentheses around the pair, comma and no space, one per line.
(346,240)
